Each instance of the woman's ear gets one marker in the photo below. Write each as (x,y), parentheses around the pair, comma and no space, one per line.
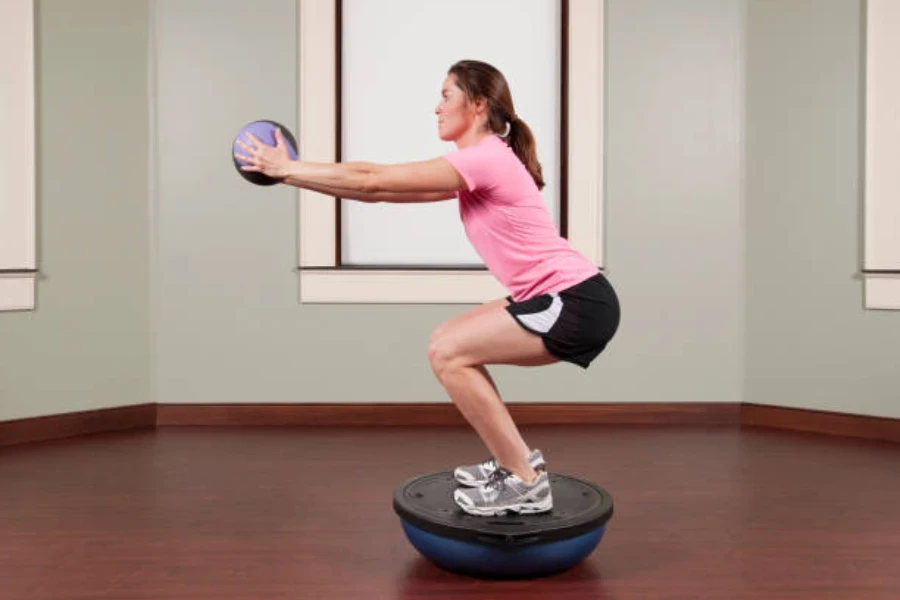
(481,106)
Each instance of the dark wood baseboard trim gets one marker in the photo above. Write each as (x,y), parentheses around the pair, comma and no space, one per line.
(629,413)
(444,414)
(40,429)
(239,415)
(816,421)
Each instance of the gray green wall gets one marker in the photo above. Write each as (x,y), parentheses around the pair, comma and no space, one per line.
(809,341)
(229,326)
(186,292)
(86,346)
(673,201)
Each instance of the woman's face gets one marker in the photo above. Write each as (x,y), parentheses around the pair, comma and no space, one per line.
(454,112)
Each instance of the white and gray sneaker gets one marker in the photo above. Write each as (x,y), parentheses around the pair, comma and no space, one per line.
(505,492)
(475,475)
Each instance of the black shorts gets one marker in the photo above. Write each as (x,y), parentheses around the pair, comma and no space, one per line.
(575,324)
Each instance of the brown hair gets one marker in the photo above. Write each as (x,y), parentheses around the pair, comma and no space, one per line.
(481,80)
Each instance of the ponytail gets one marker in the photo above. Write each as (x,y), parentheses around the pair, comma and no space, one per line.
(521,140)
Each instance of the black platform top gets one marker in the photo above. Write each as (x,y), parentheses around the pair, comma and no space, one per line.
(427,502)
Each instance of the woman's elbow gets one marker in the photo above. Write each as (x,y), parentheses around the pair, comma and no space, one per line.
(373,181)
(370,185)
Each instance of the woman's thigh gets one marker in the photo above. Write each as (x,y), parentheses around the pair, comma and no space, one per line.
(468,315)
(488,334)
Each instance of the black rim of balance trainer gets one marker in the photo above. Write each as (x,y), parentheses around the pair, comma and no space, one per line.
(426,502)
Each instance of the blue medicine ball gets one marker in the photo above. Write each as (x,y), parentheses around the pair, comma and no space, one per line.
(265,131)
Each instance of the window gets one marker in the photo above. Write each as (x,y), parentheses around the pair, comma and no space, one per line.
(17,155)
(329,265)
(882,182)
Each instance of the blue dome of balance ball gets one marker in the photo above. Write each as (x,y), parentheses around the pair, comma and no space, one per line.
(265,131)
(505,547)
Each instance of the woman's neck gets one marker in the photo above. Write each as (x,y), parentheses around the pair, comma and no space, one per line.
(473,137)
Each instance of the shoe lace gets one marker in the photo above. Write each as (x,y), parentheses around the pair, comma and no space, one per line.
(497,479)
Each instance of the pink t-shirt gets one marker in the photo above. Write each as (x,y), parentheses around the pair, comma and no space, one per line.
(508,223)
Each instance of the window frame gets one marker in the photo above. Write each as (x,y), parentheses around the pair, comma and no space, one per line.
(881,270)
(322,279)
(18,272)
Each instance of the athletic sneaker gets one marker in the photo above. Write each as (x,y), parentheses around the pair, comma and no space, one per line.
(475,475)
(505,492)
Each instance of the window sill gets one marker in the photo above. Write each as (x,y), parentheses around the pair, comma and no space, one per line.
(882,290)
(17,291)
(390,286)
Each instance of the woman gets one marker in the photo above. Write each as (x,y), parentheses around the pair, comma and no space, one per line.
(560,307)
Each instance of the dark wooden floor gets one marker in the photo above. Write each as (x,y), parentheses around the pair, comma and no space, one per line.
(268,513)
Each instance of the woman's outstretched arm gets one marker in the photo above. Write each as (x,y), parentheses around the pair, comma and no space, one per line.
(398,197)
(436,175)
(430,180)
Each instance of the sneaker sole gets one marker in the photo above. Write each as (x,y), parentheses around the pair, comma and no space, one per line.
(526,508)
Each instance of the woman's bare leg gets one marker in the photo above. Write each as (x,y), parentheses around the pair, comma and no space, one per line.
(459,351)
(454,322)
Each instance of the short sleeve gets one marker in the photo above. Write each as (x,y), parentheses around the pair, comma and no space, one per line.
(474,165)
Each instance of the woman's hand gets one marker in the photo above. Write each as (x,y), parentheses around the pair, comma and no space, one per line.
(273,161)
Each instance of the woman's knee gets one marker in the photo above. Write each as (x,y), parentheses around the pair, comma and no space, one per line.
(444,353)
(439,351)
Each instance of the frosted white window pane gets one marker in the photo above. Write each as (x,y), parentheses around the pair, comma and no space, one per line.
(395,56)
